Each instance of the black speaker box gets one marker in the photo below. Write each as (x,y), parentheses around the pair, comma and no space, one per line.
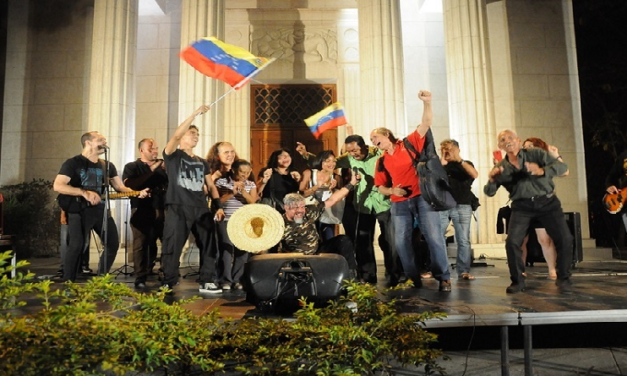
(277,281)
(573,220)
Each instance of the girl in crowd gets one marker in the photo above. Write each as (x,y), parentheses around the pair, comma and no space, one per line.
(545,241)
(220,157)
(321,182)
(236,190)
(277,179)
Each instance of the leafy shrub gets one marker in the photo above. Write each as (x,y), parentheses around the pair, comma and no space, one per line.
(103,327)
(31,215)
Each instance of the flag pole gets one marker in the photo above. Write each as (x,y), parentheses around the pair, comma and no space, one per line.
(242,82)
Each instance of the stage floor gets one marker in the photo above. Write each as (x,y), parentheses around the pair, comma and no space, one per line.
(581,331)
(599,295)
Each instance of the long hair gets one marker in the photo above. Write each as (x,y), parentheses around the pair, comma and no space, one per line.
(538,143)
(273,161)
(385,132)
(213,156)
(317,161)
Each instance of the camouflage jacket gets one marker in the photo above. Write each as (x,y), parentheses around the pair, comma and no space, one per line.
(303,238)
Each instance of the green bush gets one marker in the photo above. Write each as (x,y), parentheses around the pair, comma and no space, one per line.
(103,327)
(31,215)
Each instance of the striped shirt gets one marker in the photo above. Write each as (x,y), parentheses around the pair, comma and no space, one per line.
(225,186)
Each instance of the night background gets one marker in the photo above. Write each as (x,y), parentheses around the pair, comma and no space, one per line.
(601,37)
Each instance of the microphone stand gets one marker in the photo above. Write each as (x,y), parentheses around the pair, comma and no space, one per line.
(105,219)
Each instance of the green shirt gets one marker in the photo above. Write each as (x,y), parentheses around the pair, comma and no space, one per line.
(366,197)
(519,182)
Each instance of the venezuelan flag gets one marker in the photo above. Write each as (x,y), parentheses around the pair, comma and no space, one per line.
(330,117)
(222,61)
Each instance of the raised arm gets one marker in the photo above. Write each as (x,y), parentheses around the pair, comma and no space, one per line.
(174,141)
(427,112)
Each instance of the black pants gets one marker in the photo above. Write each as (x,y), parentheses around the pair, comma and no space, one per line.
(79,227)
(147,229)
(548,212)
(180,220)
(360,228)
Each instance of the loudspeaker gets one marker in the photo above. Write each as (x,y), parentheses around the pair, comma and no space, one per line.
(277,281)
(573,221)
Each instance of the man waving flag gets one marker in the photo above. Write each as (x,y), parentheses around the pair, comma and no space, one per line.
(330,117)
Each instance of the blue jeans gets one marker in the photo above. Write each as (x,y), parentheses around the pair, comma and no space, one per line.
(403,215)
(461,215)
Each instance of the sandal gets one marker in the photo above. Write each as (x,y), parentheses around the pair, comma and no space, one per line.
(467,276)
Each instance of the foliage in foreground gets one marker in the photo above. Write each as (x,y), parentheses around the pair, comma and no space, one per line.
(103,327)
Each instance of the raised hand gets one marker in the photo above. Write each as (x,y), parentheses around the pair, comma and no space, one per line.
(301,148)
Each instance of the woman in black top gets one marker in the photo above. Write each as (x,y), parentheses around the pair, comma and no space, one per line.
(277,179)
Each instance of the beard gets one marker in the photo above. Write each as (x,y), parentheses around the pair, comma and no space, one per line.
(298,221)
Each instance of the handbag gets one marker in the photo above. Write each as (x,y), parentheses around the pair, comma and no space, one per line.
(332,215)
(433,179)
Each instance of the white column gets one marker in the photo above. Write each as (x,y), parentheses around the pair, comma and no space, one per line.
(470,94)
(201,18)
(112,82)
(15,119)
(381,63)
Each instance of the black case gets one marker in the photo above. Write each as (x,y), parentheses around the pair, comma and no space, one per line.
(274,281)
(573,220)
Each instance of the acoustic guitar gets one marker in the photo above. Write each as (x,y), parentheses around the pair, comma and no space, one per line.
(75,204)
(613,202)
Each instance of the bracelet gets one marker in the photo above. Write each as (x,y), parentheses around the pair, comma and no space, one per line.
(216,204)
(349,186)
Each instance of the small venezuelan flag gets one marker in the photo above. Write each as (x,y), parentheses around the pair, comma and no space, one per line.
(222,61)
(330,117)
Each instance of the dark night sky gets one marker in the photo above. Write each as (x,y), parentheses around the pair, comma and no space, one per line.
(601,37)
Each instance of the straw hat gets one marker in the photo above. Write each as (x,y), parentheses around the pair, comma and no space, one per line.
(255,227)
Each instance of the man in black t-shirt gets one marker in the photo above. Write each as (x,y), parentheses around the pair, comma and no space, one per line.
(461,173)
(147,214)
(187,207)
(81,183)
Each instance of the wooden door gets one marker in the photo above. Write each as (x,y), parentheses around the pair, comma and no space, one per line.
(277,121)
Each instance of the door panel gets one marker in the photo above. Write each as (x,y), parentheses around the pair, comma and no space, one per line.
(277,121)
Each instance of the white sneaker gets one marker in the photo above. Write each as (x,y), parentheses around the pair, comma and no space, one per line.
(226,286)
(209,287)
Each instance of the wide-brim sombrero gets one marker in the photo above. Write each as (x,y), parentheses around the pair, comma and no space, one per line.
(255,227)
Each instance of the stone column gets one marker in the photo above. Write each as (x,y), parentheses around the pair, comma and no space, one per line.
(471,99)
(381,63)
(112,81)
(201,18)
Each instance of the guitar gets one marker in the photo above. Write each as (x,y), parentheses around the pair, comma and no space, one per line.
(613,202)
(75,204)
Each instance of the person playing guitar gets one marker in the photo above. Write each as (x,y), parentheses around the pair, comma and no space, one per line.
(82,180)
(615,197)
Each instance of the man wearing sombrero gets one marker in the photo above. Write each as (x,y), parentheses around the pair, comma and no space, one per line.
(300,233)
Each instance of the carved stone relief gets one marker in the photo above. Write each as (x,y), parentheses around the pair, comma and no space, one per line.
(308,46)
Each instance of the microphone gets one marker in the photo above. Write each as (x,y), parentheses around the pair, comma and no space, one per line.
(103,147)
(356,172)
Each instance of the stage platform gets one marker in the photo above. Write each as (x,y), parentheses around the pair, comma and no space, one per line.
(599,296)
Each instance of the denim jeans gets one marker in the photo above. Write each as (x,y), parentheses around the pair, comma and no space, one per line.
(461,215)
(403,215)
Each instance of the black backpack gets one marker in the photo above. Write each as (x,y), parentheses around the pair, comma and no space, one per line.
(433,179)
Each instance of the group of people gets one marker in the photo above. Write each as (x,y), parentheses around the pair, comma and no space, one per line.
(183,193)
